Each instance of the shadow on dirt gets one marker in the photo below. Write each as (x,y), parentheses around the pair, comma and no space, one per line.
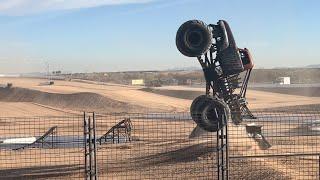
(40,172)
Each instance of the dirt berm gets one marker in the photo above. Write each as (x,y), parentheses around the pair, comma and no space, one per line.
(83,101)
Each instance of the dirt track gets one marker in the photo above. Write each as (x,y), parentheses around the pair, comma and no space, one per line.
(256,99)
(126,97)
(302,91)
(83,101)
(127,94)
(18,109)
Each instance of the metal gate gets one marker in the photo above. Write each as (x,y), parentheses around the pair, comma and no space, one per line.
(157,146)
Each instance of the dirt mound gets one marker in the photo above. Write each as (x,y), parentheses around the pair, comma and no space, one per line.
(308,108)
(300,91)
(182,94)
(83,101)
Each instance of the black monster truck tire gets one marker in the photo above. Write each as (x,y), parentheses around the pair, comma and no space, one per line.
(195,105)
(210,114)
(194,38)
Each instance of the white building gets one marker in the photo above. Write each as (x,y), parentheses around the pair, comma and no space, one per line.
(283,80)
(137,82)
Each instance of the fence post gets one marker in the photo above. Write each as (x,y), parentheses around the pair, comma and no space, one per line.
(222,151)
(90,148)
(85,144)
(94,146)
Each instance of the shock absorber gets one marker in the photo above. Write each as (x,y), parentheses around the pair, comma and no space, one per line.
(227,87)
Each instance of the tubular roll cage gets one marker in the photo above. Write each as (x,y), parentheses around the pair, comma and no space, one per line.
(215,78)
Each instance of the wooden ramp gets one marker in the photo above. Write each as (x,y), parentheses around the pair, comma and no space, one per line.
(121,132)
(51,132)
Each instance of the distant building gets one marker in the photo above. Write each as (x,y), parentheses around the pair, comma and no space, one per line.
(283,80)
(137,82)
(9,75)
(189,82)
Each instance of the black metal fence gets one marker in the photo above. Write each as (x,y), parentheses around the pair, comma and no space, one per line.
(286,146)
(41,147)
(276,145)
(157,147)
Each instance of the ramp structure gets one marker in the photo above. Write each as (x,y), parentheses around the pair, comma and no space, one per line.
(121,132)
(51,134)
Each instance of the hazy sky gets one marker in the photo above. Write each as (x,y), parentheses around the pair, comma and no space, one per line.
(113,35)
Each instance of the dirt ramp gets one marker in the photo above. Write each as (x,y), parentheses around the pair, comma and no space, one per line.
(83,101)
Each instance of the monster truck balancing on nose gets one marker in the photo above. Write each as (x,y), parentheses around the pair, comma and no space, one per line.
(222,63)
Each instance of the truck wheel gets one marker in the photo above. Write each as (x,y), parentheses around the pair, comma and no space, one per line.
(194,108)
(210,114)
(194,38)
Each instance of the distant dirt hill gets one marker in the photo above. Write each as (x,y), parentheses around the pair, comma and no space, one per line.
(83,101)
(313,66)
(298,75)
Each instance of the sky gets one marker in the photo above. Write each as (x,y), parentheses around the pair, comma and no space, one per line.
(122,35)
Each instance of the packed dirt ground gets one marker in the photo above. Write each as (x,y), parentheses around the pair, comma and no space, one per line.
(302,91)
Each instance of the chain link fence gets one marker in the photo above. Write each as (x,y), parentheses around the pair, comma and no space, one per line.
(276,145)
(157,146)
(41,148)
